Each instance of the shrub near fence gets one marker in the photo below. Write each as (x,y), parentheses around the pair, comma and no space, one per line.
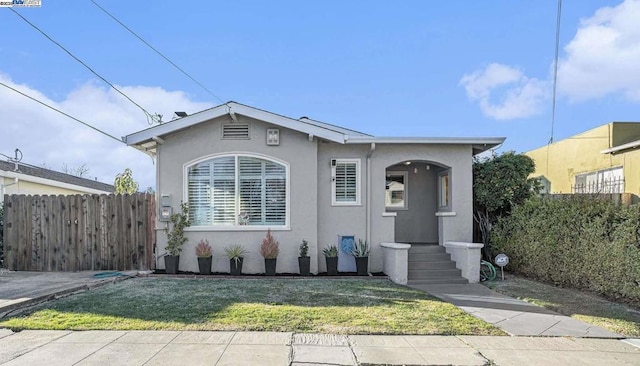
(576,242)
(79,232)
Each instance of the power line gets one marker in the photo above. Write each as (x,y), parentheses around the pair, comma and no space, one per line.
(555,70)
(154,118)
(156,51)
(61,112)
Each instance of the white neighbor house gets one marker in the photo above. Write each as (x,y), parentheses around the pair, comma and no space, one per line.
(244,170)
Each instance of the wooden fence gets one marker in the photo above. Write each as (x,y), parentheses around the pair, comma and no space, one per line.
(79,232)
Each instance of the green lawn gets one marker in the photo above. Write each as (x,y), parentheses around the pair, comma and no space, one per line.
(583,306)
(353,306)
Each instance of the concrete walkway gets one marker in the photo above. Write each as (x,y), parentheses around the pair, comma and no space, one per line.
(23,288)
(269,348)
(514,316)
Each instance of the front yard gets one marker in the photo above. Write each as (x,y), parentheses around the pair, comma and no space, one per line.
(580,305)
(353,306)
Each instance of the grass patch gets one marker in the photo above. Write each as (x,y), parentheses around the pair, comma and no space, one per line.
(326,306)
(579,305)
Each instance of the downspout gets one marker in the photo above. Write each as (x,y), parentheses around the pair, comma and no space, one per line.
(373,147)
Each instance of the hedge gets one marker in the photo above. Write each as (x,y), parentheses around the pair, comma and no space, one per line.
(578,242)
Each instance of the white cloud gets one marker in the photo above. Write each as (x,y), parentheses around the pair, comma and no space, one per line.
(521,97)
(602,58)
(46,137)
(604,55)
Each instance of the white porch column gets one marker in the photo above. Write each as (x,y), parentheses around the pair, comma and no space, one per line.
(467,257)
(396,261)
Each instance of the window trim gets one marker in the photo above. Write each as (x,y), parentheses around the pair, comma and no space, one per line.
(357,161)
(235,226)
(405,206)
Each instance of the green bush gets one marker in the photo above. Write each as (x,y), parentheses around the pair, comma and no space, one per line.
(578,242)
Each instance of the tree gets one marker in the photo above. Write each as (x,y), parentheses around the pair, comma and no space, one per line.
(499,183)
(80,171)
(124,183)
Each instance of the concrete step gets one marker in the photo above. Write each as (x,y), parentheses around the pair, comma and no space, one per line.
(426,249)
(432,257)
(440,281)
(431,274)
(447,264)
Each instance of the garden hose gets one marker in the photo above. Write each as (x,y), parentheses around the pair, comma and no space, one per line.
(487,271)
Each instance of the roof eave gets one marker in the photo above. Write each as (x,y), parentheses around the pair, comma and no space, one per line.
(617,149)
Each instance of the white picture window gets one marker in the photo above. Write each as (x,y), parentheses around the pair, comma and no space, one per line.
(345,182)
(238,190)
(396,190)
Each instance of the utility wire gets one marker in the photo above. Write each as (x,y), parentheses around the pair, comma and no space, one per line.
(154,118)
(555,70)
(156,51)
(61,112)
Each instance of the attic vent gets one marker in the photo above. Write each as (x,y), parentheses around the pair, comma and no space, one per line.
(235,131)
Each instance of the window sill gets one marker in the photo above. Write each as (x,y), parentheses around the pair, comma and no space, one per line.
(237,228)
(346,204)
(445,214)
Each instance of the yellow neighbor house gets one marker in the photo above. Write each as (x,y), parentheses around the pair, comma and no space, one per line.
(605,159)
(26,179)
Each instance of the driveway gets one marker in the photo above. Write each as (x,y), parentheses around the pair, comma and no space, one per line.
(20,289)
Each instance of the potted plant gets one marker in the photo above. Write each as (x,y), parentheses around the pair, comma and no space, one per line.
(176,238)
(205,256)
(269,250)
(304,261)
(361,252)
(331,257)
(236,254)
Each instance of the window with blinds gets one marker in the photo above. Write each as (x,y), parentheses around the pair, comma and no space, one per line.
(236,191)
(346,182)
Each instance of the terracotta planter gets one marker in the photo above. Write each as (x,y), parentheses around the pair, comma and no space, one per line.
(171,263)
(204,264)
(304,263)
(332,266)
(270,266)
(235,266)
(362,266)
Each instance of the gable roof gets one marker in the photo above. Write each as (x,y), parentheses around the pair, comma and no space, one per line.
(92,186)
(147,139)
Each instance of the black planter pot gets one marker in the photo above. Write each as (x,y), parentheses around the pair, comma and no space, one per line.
(305,265)
(171,263)
(204,264)
(362,265)
(235,266)
(270,266)
(332,266)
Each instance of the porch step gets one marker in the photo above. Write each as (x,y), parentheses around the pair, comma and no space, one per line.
(442,281)
(431,264)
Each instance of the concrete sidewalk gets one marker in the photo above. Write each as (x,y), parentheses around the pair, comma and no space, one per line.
(270,348)
(514,316)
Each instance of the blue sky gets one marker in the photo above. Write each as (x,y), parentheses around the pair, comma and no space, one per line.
(406,68)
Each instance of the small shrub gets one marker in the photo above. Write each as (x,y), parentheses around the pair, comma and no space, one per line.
(330,251)
(203,249)
(270,247)
(235,252)
(361,249)
(304,248)
(176,237)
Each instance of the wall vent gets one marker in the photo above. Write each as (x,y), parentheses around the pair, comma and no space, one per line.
(235,131)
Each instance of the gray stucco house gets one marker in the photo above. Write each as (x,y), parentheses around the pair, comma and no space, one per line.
(244,170)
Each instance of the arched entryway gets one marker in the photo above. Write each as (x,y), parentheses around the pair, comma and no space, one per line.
(415,190)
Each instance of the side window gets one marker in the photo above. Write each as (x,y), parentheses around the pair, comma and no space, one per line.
(345,182)
(444,188)
(396,191)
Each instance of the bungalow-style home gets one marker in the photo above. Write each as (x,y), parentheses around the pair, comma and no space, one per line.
(605,159)
(19,178)
(244,170)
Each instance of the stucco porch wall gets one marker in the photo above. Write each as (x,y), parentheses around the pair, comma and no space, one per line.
(467,257)
(204,139)
(457,157)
